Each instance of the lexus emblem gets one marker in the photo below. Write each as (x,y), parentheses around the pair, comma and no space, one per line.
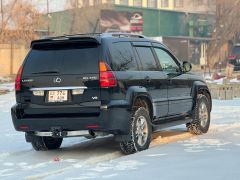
(57,80)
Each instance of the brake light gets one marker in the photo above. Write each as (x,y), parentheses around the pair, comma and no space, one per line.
(107,77)
(231,57)
(93,126)
(18,79)
(22,127)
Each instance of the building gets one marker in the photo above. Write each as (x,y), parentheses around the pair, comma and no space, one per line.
(187,33)
(177,28)
(201,6)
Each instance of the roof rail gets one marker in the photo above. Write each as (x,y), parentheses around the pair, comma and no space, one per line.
(126,35)
(94,35)
(72,36)
(81,34)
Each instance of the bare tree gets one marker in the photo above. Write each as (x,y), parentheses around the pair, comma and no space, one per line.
(20,21)
(226,27)
(85,18)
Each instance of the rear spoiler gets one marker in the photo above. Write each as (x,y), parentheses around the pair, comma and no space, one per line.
(66,39)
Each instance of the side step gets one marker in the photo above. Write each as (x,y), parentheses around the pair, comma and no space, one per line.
(163,125)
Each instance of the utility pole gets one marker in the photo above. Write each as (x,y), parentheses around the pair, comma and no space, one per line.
(2,14)
(48,17)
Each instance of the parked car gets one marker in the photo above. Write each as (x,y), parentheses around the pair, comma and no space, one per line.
(112,83)
(234,58)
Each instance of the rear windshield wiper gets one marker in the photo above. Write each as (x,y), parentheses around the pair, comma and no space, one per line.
(46,72)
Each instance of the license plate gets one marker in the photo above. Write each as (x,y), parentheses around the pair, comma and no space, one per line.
(57,96)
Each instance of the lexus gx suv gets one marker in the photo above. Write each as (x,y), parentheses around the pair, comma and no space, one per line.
(93,85)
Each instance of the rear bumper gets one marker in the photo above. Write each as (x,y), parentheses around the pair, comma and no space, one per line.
(113,120)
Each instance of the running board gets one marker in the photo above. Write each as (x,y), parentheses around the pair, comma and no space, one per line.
(164,125)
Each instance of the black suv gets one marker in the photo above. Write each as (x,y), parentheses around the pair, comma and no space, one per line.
(111,83)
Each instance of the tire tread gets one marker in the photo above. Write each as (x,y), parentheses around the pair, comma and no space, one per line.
(129,147)
(194,127)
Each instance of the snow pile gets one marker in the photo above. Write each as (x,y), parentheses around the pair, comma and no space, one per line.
(235,80)
(8,86)
(5,79)
(220,80)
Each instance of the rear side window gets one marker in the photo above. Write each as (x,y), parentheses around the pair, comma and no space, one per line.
(123,57)
(146,56)
(62,61)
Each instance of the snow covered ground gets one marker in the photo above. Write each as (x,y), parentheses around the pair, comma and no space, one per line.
(174,153)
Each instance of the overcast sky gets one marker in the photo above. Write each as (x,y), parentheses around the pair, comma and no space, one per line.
(54,5)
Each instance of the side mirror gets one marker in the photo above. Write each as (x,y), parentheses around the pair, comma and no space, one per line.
(186,67)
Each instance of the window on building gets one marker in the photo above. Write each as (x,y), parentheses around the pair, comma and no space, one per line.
(85,3)
(212,2)
(79,3)
(110,1)
(123,2)
(152,3)
(137,3)
(164,3)
(178,3)
(97,2)
(123,58)
(199,2)
(147,59)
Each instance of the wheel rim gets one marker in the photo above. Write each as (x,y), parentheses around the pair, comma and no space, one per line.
(203,114)
(141,131)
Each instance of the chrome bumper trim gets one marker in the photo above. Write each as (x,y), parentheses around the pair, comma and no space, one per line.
(58,88)
(66,133)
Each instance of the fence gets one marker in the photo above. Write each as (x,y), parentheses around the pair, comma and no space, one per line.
(225,91)
(11,57)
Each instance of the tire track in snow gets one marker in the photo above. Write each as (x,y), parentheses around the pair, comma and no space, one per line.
(159,138)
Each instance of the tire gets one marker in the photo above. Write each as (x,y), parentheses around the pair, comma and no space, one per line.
(45,143)
(201,116)
(140,131)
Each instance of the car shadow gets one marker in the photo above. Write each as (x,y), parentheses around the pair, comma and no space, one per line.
(108,144)
(170,136)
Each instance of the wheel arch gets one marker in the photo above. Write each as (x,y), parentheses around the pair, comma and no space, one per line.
(201,88)
(135,93)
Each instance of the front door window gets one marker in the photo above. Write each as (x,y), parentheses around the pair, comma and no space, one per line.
(166,61)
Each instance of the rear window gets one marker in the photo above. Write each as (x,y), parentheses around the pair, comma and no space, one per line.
(123,57)
(62,60)
(147,59)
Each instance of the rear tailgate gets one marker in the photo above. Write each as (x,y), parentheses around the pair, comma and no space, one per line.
(61,79)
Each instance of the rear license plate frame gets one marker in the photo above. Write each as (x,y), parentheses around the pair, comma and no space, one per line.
(57,96)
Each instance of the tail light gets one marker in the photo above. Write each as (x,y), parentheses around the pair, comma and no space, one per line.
(18,79)
(232,57)
(107,77)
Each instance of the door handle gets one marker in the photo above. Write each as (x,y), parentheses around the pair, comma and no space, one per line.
(147,78)
(170,81)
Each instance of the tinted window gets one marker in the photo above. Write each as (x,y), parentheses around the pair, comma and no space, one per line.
(123,57)
(146,56)
(166,61)
(63,61)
